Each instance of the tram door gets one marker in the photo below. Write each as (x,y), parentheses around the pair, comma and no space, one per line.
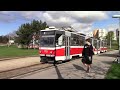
(67,47)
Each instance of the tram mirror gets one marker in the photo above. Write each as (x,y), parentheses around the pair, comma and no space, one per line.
(56,44)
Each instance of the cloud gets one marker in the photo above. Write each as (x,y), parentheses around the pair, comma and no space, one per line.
(6,17)
(58,18)
(111,27)
(80,20)
(82,27)
(30,15)
(87,16)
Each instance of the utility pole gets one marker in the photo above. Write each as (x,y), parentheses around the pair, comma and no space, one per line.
(8,40)
(118,16)
(110,40)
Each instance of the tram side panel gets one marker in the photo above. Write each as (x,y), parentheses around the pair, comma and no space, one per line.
(77,44)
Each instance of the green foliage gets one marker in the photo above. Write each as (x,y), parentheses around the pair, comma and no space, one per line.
(26,31)
(3,39)
(114,72)
(109,36)
(114,45)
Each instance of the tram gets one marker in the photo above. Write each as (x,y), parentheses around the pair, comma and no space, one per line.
(99,46)
(103,46)
(60,45)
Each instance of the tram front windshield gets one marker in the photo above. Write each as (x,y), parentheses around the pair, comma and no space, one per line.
(47,39)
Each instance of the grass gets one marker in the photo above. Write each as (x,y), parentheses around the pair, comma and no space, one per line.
(13,51)
(114,47)
(113,72)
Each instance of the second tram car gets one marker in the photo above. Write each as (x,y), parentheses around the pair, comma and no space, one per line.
(103,46)
(99,46)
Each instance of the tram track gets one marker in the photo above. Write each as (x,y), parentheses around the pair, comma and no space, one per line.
(42,69)
(13,73)
(22,70)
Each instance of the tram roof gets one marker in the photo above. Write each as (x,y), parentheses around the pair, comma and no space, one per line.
(81,34)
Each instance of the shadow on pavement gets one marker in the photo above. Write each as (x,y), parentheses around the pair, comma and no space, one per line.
(109,55)
(78,67)
(58,72)
(107,62)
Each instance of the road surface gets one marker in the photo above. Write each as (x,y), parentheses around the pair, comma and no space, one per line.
(75,69)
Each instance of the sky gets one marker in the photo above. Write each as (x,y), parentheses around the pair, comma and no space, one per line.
(81,21)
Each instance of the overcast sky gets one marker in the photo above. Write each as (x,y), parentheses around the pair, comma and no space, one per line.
(82,21)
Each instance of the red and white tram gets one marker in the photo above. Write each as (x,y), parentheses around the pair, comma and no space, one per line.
(94,42)
(99,46)
(60,45)
(103,46)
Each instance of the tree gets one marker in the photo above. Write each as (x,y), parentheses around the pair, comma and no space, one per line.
(110,37)
(3,39)
(27,30)
(24,33)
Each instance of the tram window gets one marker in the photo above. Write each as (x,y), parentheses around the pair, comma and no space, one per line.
(71,41)
(81,40)
(74,41)
(90,40)
(59,39)
(95,43)
(98,44)
(47,32)
(77,40)
(102,43)
(63,40)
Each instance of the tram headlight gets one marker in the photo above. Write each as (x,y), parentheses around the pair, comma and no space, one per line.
(40,51)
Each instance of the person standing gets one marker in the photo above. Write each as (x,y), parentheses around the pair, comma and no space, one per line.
(87,54)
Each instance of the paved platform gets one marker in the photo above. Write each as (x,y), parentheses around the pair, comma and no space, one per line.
(76,70)
(17,63)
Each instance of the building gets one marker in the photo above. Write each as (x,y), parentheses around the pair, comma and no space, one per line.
(95,33)
(11,42)
(100,33)
(90,34)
